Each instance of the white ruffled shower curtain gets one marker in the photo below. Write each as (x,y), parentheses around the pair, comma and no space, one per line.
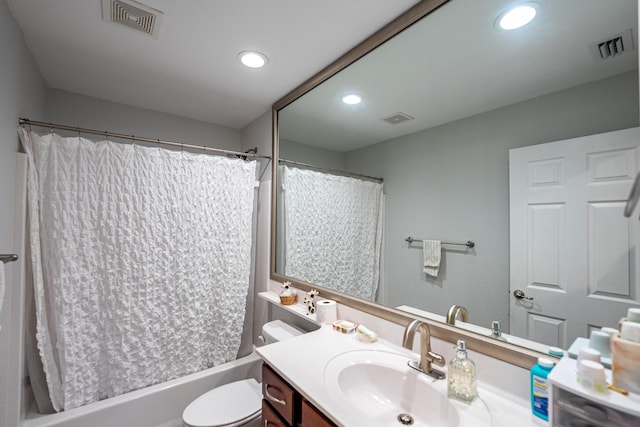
(141,261)
(333,230)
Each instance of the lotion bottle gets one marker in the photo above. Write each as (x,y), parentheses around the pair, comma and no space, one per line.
(462,383)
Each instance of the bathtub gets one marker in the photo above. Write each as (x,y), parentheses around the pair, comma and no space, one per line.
(159,405)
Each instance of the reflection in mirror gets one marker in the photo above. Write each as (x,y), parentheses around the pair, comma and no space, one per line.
(346,207)
(452,111)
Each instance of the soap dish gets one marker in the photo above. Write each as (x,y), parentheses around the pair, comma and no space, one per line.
(344,326)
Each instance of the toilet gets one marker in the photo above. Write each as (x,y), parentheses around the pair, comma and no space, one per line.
(238,403)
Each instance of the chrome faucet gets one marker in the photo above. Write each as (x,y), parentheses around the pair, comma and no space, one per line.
(427,357)
(453,313)
(496,331)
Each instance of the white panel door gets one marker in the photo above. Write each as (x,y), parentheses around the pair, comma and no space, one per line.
(572,251)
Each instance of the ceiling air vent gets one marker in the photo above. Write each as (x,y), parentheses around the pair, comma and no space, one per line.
(133,15)
(397,118)
(612,46)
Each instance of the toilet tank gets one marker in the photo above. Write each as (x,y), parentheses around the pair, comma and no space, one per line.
(277,330)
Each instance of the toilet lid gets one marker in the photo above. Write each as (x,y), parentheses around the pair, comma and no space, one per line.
(225,405)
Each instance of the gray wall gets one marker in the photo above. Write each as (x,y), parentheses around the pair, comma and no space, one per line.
(257,134)
(451,183)
(84,111)
(22,93)
(93,113)
(321,157)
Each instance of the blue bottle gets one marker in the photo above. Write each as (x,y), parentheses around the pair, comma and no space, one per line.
(540,388)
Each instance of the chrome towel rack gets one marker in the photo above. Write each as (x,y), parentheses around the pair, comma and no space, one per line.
(469,243)
(5,258)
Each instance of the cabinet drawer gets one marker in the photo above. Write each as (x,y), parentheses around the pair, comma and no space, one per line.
(269,417)
(570,409)
(311,417)
(279,394)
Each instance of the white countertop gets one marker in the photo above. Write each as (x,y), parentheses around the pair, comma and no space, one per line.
(301,361)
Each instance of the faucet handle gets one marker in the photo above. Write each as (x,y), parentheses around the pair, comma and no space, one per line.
(436,358)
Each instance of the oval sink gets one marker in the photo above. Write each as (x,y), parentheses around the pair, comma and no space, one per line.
(382,390)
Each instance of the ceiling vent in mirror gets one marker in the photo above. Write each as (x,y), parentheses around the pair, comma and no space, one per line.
(133,15)
(397,118)
(612,46)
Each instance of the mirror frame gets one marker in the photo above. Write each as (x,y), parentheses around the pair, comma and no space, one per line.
(510,353)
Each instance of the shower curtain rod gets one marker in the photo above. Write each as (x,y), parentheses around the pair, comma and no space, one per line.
(24,121)
(347,173)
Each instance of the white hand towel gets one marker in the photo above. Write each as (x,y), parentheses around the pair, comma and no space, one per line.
(432,251)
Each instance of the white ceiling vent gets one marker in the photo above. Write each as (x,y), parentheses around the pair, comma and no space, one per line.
(612,46)
(133,15)
(398,118)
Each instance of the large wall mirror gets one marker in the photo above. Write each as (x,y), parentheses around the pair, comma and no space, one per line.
(459,121)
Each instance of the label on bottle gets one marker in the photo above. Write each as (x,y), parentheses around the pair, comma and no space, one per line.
(540,395)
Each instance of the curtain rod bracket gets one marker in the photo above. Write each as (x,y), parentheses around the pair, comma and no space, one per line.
(5,258)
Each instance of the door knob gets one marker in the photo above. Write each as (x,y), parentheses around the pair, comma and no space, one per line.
(520,295)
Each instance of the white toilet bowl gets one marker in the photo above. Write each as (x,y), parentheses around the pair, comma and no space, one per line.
(238,403)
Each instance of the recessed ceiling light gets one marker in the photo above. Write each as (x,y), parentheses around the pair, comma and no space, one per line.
(518,16)
(351,98)
(252,59)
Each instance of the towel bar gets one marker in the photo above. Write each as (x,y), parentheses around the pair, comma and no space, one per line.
(469,243)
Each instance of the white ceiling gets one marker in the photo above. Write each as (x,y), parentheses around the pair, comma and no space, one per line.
(191,69)
(455,64)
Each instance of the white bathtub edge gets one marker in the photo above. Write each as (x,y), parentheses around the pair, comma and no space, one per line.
(152,406)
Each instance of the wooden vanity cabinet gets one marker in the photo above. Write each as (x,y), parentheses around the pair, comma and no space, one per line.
(279,396)
(283,406)
(270,418)
(311,417)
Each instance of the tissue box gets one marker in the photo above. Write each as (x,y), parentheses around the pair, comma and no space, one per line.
(625,364)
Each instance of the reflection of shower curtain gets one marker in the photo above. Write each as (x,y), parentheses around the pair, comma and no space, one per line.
(141,260)
(333,231)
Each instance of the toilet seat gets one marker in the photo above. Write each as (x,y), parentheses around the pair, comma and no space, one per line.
(230,405)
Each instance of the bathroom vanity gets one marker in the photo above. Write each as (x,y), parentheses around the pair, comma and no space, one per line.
(283,406)
(328,378)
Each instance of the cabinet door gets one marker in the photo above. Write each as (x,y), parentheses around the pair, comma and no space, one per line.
(270,418)
(279,394)
(311,417)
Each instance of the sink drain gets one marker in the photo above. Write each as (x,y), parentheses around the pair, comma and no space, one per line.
(405,419)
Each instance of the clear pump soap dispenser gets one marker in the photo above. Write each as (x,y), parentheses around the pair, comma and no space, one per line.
(462,383)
